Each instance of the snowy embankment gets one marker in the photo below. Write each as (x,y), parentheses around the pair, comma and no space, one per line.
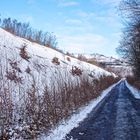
(40,86)
(10,46)
(59,132)
(20,69)
(134,91)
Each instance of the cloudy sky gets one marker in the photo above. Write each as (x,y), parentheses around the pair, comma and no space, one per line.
(81,26)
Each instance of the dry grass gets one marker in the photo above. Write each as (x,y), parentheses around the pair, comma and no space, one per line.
(134,81)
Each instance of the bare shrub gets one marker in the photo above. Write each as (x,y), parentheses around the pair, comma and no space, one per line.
(6,113)
(94,62)
(82,57)
(12,76)
(23,52)
(55,61)
(39,110)
(14,65)
(28,70)
(75,71)
(69,54)
(68,59)
(133,81)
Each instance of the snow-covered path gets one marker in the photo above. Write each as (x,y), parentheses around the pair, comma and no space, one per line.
(117,117)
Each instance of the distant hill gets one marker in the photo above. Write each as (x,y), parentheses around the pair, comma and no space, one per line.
(118,66)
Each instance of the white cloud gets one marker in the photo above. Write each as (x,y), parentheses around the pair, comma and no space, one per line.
(30,2)
(82,43)
(107,2)
(73,21)
(84,14)
(81,34)
(108,17)
(64,3)
(110,1)
(89,31)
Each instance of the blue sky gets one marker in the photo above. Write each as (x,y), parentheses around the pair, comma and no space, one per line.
(81,26)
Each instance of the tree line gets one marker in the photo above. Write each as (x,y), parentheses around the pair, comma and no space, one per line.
(130,43)
(26,31)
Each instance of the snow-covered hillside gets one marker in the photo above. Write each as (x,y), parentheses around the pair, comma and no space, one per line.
(39,64)
(39,86)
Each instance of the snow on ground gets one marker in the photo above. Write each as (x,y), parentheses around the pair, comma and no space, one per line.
(13,44)
(42,70)
(19,76)
(134,91)
(65,127)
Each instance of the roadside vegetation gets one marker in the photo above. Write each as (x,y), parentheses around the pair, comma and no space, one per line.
(37,112)
(133,81)
(40,112)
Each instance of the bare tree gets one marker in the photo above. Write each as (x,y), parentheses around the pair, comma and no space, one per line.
(24,30)
(130,44)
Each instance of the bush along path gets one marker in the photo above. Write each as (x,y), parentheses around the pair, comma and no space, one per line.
(116,117)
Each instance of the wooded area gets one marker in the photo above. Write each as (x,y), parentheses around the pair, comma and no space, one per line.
(130,43)
(26,31)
